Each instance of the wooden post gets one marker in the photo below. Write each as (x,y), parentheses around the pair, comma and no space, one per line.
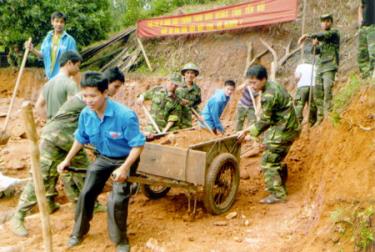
(31,133)
(144,54)
(249,57)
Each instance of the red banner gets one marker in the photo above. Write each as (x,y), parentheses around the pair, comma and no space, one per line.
(254,13)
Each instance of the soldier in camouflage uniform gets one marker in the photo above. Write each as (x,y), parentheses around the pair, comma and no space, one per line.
(327,44)
(279,123)
(166,107)
(57,138)
(190,94)
(366,45)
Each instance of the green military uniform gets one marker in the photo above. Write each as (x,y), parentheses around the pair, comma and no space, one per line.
(56,140)
(327,65)
(164,108)
(279,122)
(301,98)
(366,45)
(244,114)
(193,96)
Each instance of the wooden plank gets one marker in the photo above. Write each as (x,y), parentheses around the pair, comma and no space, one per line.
(174,163)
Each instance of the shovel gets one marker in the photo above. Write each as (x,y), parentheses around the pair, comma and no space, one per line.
(311,85)
(4,137)
(202,121)
(149,117)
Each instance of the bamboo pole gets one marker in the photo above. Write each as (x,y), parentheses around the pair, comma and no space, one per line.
(144,54)
(31,133)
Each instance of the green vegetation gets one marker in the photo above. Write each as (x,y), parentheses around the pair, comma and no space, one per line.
(140,9)
(88,20)
(342,99)
(354,223)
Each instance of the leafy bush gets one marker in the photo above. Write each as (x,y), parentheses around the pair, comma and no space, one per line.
(342,99)
(355,222)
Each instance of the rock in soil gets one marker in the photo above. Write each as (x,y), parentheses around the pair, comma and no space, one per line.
(231,215)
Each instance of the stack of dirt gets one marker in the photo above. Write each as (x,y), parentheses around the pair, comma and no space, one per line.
(184,139)
(333,167)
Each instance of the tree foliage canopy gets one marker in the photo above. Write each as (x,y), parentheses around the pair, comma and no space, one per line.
(140,9)
(87,20)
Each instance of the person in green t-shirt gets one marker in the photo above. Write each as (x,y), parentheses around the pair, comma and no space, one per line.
(57,90)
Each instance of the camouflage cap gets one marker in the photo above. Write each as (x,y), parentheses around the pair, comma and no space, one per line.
(326,17)
(175,78)
(190,66)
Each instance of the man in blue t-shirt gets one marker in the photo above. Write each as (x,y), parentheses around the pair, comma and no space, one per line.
(54,45)
(113,129)
(215,106)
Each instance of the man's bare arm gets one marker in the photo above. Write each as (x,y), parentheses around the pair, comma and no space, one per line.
(40,107)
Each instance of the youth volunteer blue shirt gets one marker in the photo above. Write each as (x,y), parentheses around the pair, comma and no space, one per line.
(66,43)
(115,135)
(214,108)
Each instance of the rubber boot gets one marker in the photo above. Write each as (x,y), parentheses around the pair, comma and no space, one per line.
(17,224)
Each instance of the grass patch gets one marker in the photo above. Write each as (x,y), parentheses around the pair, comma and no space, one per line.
(343,98)
(354,223)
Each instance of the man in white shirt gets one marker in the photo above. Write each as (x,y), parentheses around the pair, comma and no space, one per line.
(305,76)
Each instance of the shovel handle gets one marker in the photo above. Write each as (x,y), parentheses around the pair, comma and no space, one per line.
(202,121)
(149,117)
(74,169)
(16,86)
(254,103)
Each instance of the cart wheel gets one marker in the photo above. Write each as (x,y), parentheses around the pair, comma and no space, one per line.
(222,180)
(155,192)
